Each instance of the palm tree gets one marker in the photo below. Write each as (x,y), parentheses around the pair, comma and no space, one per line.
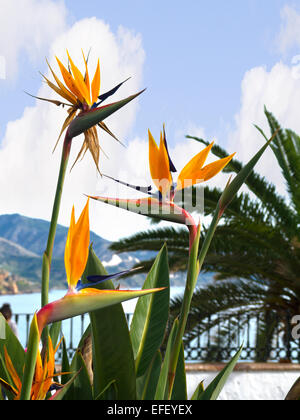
(255,253)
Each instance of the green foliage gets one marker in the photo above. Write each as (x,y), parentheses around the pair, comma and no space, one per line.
(151,315)
(113,355)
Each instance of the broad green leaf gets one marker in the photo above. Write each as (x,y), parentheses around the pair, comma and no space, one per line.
(81,387)
(110,392)
(88,119)
(16,353)
(30,359)
(14,349)
(65,364)
(213,390)
(146,384)
(151,314)
(112,351)
(162,386)
(179,391)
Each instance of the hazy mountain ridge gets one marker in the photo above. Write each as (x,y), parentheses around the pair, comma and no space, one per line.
(22,243)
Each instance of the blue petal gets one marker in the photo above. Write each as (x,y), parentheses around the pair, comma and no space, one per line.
(94,280)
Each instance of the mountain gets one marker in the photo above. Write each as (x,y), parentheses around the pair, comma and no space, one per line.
(32,234)
(23,241)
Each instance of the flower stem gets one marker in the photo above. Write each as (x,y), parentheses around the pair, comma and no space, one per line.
(192,276)
(194,267)
(47,257)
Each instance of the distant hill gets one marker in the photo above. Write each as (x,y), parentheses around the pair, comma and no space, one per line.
(32,235)
(23,241)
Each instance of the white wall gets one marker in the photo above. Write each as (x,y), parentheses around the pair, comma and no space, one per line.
(248,385)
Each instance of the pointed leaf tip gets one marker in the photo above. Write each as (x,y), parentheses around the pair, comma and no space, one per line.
(94,116)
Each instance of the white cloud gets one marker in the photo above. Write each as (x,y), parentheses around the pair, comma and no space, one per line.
(28,26)
(279,90)
(289,35)
(29,169)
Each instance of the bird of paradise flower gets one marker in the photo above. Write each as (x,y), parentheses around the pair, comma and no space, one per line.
(161,204)
(81,296)
(83,97)
(43,377)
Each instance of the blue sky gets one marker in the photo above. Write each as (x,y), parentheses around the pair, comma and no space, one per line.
(197,53)
(209,68)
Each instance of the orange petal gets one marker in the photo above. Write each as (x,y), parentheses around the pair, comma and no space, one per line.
(65,93)
(12,371)
(77,246)
(68,245)
(87,77)
(69,81)
(209,171)
(192,167)
(79,80)
(57,89)
(96,84)
(159,165)
(38,368)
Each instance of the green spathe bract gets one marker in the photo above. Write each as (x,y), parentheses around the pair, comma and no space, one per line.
(90,118)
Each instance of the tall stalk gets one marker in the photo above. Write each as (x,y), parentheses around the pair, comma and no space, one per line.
(47,256)
(192,275)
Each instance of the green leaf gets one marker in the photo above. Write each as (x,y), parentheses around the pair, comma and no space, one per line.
(112,351)
(213,390)
(81,387)
(198,391)
(162,386)
(88,119)
(179,391)
(146,384)
(30,359)
(14,349)
(65,364)
(151,315)
(16,353)
(110,392)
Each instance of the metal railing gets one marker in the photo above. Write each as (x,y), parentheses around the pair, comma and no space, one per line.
(215,339)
